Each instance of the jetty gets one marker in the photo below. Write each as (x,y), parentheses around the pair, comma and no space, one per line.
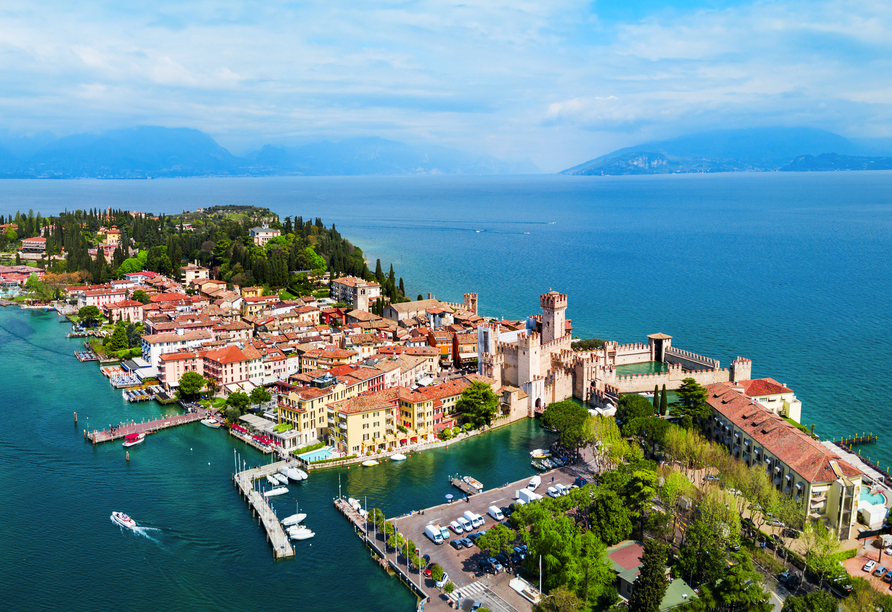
(859,439)
(275,534)
(462,486)
(146,427)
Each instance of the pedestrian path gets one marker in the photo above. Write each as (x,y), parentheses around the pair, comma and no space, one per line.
(475,588)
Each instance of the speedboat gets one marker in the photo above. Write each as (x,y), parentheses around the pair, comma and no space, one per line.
(547,463)
(276,491)
(535,481)
(211,422)
(398,457)
(294,519)
(538,465)
(133,439)
(473,482)
(370,463)
(123,520)
(282,475)
(540,453)
(299,532)
(354,503)
(280,479)
(296,474)
(272,481)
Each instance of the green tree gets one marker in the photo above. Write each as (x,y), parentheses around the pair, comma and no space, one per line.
(478,404)
(232,414)
(649,431)
(89,315)
(561,599)
(818,601)
(191,384)
(497,540)
(211,385)
(610,517)
(437,573)
(691,401)
(663,401)
(238,400)
(39,289)
(260,395)
(656,399)
(118,340)
(701,557)
(650,585)
(630,407)
(140,296)
(129,266)
(592,573)
(569,419)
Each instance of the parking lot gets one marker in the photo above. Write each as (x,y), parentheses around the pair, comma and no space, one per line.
(463,566)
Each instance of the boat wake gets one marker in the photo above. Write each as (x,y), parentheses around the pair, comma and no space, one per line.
(139,530)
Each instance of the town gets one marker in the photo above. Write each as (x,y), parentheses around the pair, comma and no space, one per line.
(672,482)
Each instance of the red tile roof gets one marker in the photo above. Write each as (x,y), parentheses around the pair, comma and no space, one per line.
(761,387)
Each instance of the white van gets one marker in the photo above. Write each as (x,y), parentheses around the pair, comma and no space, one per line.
(456,527)
(495,513)
(475,519)
(433,532)
(465,524)
(561,489)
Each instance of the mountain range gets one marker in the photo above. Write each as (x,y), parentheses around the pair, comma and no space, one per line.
(152,151)
(756,149)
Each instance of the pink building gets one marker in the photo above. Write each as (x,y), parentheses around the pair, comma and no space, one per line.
(172,366)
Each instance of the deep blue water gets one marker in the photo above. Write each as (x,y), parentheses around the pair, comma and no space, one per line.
(790,270)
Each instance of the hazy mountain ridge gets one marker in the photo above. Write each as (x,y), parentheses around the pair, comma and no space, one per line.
(757,149)
(179,152)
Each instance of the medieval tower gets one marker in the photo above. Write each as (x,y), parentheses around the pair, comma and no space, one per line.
(554,312)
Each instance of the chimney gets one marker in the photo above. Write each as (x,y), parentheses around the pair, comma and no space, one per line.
(429,296)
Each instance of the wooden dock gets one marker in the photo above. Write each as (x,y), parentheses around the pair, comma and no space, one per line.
(275,534)
(862,439)
(125,429)
(462,486)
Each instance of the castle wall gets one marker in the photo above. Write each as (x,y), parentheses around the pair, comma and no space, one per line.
(689,360)
(628,354)
(638,383)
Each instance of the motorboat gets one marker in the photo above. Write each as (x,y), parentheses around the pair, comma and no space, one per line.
(538,465)
(540,453)
(280,479)
(473,482)
(133,439)
(276,491)
(370,463)
(296,474)
(534,483)
(398,457)
(298,532)
(548,464)
(272,481)
(123,520)
(294,519)
(211,422)
(282,475)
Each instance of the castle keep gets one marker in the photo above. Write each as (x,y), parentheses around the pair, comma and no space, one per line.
(540,361)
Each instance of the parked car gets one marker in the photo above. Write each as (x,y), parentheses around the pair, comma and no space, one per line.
(476,606)
(887,577)
(552,492)
(503,559)
(521,552)
(465,524)
(880,571)
(442,582)
(496,564)
(488,566)
(467,542)
(456,527)
(712,477)
(456,544)
(784,577)
(429,569)
(869,566)
(474,536)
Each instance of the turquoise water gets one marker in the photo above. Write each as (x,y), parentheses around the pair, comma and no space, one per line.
(200,550)
(877,500)
(790,270)
(648,367)
(318,455)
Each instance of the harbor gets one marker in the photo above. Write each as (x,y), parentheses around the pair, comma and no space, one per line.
(117,432)
(261,509)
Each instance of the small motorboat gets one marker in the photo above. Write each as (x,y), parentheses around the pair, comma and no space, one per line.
(398,457)
(123,520)
(133,439)
(276,491)
(534,483)
(280,479)
(538,465)
(548,464)
(272,481)
(370,463)
(354,503)
(473,482)
(282,474)
(294,519)
(211,422)
(296,474)
(540,453)
(298,532)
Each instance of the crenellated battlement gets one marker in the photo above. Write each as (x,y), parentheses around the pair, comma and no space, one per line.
(553,300)
(690,356)
(632,348)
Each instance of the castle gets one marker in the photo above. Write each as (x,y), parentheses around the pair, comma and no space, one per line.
(541,362)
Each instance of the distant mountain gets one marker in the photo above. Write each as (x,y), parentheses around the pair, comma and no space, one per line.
(832,161)
(757,149)
(175,152)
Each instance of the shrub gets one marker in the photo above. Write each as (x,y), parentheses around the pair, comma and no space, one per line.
(333,459)
(307,449)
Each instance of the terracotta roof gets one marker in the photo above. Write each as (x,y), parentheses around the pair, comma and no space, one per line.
(380,400)
(802,453)
(169,297)
(227,354)
(177,356)
(762,386)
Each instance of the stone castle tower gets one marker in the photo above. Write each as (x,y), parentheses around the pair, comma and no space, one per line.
(554,315)
(471,302)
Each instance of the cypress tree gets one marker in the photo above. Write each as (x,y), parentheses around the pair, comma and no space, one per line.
(656,400)
(379,273)
(651,584)
(663,402)
(402,287)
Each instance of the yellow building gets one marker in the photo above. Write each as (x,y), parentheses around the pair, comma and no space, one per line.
(365,424)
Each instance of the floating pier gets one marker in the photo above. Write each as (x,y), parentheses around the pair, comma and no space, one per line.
(464,487)
(275,535)
(125,429)
(860,439)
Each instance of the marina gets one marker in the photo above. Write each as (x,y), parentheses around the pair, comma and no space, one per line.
(275,533)
(146,427)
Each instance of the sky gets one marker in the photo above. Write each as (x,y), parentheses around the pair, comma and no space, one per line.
(556,81)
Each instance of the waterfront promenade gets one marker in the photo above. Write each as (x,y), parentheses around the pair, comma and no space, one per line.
(146,427)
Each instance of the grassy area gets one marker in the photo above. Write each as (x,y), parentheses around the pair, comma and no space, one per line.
(217,402)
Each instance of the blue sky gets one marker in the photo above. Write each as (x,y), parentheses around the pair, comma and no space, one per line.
(557,81)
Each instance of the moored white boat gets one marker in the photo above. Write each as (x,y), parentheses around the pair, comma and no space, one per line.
(370,463)
(123,520)
(272,481)
(296,474)
(540,453)
(276,491)
(280,479)
(294,519)
(283,475)
(133,439)
(398,457)
(211,422)
(473,482)
(299,532)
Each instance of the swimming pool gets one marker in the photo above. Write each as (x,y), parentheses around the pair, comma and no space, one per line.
(877,499)
(319,454)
